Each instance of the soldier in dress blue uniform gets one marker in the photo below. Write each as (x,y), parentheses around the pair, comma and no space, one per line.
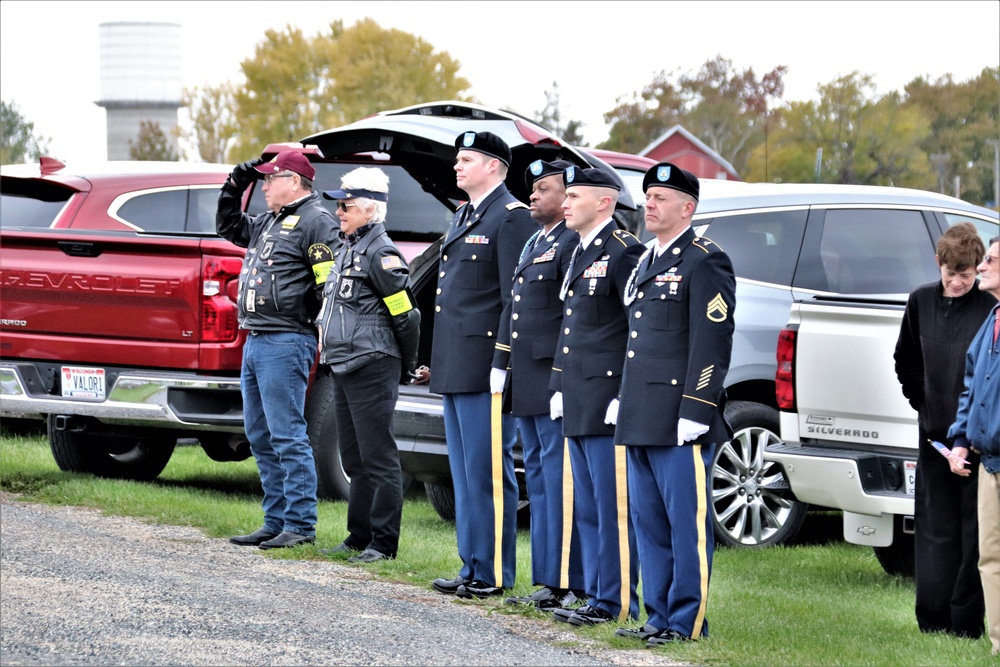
(681,302)
(534,322)
(585,376)
(478,258)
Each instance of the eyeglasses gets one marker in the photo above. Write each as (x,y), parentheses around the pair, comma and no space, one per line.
(344,206)
(989,259)
(270,177)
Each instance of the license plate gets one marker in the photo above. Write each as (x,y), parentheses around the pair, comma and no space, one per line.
(911,477)
(82,382)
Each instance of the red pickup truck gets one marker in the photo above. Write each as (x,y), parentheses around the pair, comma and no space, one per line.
(117,312)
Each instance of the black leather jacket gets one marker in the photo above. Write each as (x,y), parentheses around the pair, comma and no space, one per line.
(368,308)
(289,255)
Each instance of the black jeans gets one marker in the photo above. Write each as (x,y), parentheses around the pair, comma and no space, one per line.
(365,400)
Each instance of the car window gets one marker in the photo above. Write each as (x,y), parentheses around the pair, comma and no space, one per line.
(413,214)
(987,229)
(870,251)
(202,205)
(26,203)
(164,211)
(762,246)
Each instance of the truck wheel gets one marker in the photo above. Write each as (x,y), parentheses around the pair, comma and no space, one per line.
(332,482)
(751,503)
(442,499)
(116,457)
(897,559)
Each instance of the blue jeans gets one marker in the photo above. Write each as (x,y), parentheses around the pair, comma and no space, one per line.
(274,380)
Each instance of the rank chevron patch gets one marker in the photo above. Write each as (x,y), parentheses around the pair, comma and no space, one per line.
(718,309)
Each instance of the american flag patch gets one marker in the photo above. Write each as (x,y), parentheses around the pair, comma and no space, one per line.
(391,262)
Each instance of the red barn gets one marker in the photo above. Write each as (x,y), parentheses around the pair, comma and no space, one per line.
(682,148)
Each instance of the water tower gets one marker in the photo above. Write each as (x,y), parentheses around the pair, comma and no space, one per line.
(140,80)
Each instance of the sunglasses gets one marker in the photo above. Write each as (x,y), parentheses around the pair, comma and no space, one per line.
(344,206)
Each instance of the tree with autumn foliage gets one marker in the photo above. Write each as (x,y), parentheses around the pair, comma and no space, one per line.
(152,144)
(724,107)
(297,85)
(856,136)
(211,110)
(964,131)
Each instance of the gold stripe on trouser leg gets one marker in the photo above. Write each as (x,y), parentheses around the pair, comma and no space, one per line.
(496,431)
(567,516)
(624,553)
(701,494)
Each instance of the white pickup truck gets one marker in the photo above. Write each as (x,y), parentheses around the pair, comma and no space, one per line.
(849,437)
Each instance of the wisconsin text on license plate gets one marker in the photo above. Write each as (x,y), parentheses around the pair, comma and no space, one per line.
(82,382)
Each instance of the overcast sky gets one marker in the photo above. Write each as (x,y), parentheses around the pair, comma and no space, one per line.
(511,52)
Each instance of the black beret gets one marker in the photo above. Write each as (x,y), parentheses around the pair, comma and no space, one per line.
(486,143)
(671,176)
(593,176)
(540,169)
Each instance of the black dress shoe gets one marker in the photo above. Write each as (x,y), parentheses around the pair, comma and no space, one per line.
(563,613)
(666,637)
(369,556)
(643,633)
(448,586)
(341,548)
(286,539)
(254,538)
(547,598)
(478,589)
(563,599)
(588,615)
(543,593)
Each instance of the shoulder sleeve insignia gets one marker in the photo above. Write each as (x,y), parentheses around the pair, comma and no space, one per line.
(320,252)
(390,262)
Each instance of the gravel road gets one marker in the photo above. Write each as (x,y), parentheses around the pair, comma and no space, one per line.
(80,588)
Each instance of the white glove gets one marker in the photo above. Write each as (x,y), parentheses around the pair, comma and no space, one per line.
(688,430)
(611,416)
(497,379)
(555,405)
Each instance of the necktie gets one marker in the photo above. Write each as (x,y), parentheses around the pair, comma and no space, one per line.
(460,222)
(466,215)
(569,271)
(996,327)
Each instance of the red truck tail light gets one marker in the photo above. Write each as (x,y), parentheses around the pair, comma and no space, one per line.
(219,281)
(784,388)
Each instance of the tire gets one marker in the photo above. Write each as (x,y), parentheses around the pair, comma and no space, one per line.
(751,501)
(897,559)
(442,499)
(332,483)
(115,457)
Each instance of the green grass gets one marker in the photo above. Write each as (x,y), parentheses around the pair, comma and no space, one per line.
(820,602)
